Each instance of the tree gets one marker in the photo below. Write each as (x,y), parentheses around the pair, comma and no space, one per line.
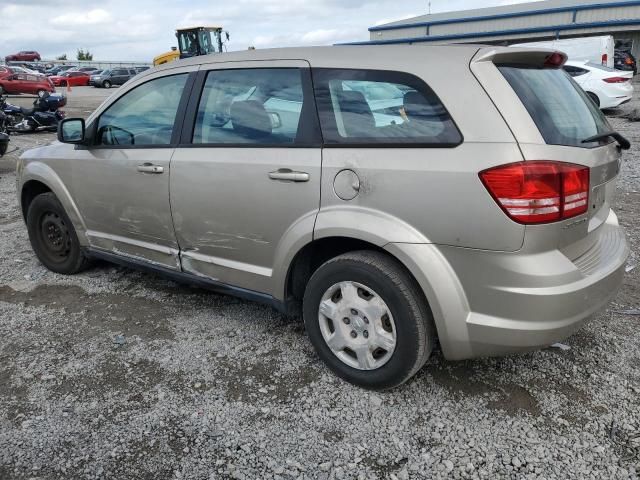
(62,57)
(82,55)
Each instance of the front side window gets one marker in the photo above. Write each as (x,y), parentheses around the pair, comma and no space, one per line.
(251,106)
(143,116)
(381,107)
(562,111)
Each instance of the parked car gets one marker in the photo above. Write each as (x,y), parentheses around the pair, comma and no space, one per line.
(25,83)
(7,70)
(60,69)
(110,77)
(141,69)
(607,87)
(33,67)
(73,79)
(624,60)
(24,56)
(599,50)
(489,233)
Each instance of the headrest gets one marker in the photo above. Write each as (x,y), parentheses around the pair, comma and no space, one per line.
(250,119)
(416,105)
(354,104)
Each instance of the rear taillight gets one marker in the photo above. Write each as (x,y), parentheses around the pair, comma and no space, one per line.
(539,191)
(555,60)
(616,79)
(605,58)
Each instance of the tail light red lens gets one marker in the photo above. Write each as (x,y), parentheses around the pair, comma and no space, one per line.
(605,58)
(539,191)
(555,60)
(617,79)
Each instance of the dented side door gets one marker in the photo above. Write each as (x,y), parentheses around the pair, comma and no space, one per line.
(238,207)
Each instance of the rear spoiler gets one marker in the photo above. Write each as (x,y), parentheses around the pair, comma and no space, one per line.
(530,57)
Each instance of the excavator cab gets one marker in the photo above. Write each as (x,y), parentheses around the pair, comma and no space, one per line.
(192,42)
(199,41)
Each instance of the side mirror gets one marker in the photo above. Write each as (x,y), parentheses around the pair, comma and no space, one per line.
(71,130)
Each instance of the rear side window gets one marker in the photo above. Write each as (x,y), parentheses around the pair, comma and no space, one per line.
(261,106)
(575,71)
(359,107)
(562,111)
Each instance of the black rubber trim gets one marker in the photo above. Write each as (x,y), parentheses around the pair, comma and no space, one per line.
(187,278)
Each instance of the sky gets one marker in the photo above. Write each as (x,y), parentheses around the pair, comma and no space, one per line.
(138,30)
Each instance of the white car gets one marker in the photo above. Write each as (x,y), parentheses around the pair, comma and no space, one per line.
(607,87)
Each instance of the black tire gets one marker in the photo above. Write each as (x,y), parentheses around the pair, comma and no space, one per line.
(3,147)
(594,98)
(58,249)
(414,327)
(106,84)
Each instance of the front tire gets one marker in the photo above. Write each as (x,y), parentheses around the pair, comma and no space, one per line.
(53,237)
(106,84)
(368,320)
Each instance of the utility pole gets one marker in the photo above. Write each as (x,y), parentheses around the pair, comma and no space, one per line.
(429,8)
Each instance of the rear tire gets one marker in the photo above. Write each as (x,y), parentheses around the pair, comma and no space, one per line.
(594,98)
(2,92)
(368,320)
(106,84)
(53,237)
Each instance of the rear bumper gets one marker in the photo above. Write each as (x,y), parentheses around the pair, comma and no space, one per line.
(615,95)
(491,303)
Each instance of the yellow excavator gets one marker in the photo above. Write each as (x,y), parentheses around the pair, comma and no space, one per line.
(194,41)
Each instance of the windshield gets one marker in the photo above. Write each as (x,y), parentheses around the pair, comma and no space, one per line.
(562,111)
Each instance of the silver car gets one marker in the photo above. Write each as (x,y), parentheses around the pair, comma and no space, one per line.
(394,204)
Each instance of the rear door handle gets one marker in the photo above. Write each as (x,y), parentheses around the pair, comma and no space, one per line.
(150,168)
(289,175)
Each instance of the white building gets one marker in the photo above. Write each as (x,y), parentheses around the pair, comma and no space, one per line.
(522,22)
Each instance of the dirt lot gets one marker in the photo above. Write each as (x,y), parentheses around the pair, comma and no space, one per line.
(124,375)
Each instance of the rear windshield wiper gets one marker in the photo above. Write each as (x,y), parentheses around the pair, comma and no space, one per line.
(623,142)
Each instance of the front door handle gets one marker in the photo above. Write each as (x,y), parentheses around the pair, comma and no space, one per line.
(150,168)
(289,175)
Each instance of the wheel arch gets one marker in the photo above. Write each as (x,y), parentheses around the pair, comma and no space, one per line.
(36,178)
(437,282)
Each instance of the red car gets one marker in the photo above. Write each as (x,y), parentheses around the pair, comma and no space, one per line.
(25,83)
(6,70)
(74,79)
(23,56)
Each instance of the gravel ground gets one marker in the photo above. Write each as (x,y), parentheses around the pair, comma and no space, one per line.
(119,374)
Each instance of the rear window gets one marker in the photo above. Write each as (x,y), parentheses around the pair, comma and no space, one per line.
(359,107)
(562,111)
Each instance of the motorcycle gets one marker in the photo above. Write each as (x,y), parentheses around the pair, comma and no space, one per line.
(44,116)
(12,114)
(4,136)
